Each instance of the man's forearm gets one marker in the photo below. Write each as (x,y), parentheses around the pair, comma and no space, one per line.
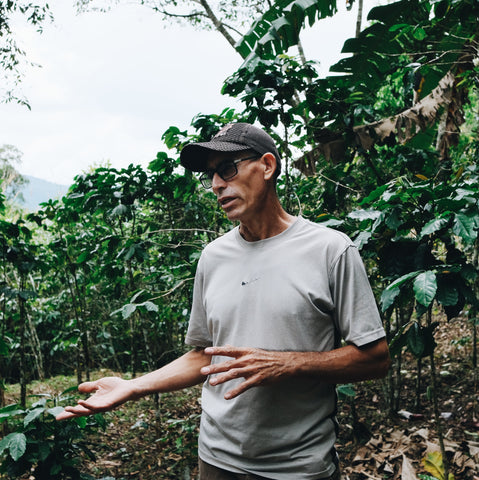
(180,373)
(345,364)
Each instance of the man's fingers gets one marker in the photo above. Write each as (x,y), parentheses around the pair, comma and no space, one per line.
(241,388)
(219,367)
(230,374)
(240,360)
(64,415)
(72,412)
(88,387)
(256,366)
(86,405)
(226,351)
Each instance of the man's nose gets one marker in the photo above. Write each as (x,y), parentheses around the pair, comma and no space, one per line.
(217,183)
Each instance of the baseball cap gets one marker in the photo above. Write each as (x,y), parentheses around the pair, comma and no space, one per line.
(233,137)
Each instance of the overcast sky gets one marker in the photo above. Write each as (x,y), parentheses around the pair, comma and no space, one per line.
(111,83)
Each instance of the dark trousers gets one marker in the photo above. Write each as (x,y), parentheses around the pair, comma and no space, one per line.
(209,472)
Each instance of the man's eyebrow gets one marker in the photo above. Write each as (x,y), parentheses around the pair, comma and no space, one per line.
(227,160)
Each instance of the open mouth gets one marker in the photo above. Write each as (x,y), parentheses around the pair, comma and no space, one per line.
(224,202)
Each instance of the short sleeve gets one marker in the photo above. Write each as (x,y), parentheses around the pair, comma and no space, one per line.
(198,334)
(355,313)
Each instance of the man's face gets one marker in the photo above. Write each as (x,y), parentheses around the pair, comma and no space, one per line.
(242,196)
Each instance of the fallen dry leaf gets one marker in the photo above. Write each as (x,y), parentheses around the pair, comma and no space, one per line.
(407,472)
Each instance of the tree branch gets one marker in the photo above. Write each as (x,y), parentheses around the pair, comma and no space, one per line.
(217,23)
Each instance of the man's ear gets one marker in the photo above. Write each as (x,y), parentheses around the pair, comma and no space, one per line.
(269,162)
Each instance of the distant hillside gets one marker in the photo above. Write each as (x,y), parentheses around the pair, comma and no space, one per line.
(38,191)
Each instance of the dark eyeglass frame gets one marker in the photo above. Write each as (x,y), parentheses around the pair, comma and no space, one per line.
(206,178)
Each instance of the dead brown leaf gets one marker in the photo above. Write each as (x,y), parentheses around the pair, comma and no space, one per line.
(407,470)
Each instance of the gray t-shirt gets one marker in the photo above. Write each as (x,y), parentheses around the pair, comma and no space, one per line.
(302,290)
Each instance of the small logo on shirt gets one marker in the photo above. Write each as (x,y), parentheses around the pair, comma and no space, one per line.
(248,282)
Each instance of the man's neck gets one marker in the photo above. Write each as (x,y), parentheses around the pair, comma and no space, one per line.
(270,223)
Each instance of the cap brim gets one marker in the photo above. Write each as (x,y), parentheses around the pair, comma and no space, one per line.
(195,155)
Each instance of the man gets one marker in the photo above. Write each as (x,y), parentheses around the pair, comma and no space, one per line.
(273,298)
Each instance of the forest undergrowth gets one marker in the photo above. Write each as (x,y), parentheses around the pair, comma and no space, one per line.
(143,442)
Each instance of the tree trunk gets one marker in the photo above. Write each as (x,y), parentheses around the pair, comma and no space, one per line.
(394,372)
(473,318)
(36,349)
(75,307)
(82,324)
(473,311)
(133,348)
(417,401)
(3,324)
(359,18)
(23,321)
(435,402)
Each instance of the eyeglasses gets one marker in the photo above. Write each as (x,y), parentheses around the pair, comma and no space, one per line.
(226,170)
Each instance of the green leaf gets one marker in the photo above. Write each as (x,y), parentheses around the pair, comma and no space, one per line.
(466,227)
(434,225)
(464,193)
(44,449)
(42,401)
(69,389)
(289,16)
(55,410)
(346,390)
(398,26)
(10,411)
(415,340)
(362,239)
(398,341)
(388,296)
(127,310)
(80,421)
(55,469)
(425,287)
(129,253)
(364,214)
(119,210)
(399,281)
(83,257)
(447,294)
(17,445)
(393,219)
(332,223)
(4,443)
(137,294)
(171,136)
(150,306)
(32,415)
(3,347)
(419,33)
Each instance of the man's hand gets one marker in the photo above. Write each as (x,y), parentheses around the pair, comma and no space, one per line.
(111,392)
(262,367)
(108,393)
(257,367)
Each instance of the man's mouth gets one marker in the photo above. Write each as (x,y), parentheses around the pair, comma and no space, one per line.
(225,201)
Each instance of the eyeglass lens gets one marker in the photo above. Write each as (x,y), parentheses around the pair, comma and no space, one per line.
(226,170)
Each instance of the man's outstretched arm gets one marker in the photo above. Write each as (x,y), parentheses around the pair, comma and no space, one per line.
(111,392)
